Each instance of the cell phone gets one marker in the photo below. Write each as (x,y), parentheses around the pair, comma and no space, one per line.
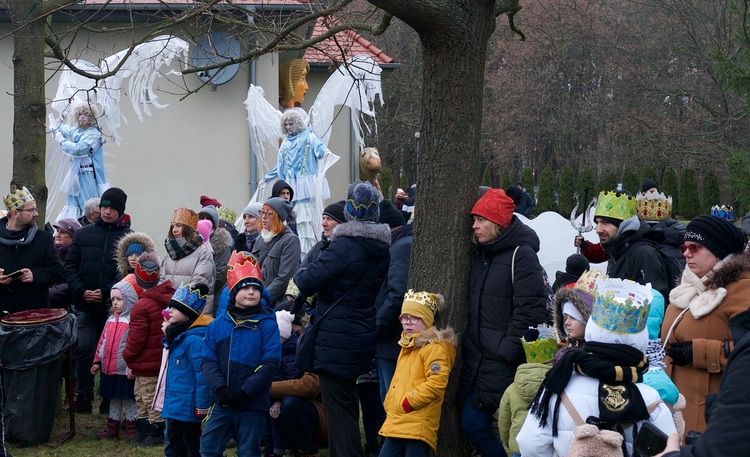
(650,441)
(16,274)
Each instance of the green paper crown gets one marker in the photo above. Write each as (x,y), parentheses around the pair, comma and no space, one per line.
(611,205)
(539,351)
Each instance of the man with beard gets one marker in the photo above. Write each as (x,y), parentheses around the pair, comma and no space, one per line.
(29,263)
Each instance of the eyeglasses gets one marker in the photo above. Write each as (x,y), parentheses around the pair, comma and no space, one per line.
(409,319)
(30,210)
(263,213)
(693,248)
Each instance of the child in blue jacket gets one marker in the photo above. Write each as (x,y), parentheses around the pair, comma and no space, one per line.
(241,354)
(186,397)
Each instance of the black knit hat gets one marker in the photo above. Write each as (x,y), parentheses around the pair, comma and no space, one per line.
(647,184)
(611,220)
(114,197)
(576,264)
(718,235)
(390,215)
(336,211)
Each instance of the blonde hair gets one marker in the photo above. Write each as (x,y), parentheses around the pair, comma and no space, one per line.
(495,230)
(90,108)
(290,72)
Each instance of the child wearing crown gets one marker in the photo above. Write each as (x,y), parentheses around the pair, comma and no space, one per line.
(415,398)
(241,354)
(186,397)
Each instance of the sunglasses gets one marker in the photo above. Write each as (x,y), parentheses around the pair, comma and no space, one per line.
(693,248)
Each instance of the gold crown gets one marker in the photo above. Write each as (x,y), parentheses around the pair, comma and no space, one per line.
(653,206)
(17,198)
(615,206)
(587,281)
(621,306)
(185,216)
(423,298)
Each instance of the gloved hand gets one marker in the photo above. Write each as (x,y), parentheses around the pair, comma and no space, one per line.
(681,353)
(201,413)
(275,410)
(407,407)
(59,136)
(580,242)
(225,395)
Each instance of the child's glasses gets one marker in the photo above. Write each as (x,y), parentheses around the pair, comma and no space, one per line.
(409,319)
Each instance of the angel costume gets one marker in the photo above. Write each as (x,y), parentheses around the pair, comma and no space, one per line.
(297,163)
(86,178)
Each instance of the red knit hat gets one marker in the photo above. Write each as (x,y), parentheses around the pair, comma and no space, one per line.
(495,206)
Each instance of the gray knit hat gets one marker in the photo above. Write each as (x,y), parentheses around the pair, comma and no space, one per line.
(253,209)
(211,212)
(281,206)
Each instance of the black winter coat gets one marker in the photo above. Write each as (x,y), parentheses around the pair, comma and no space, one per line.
(38,255)
(674,232)
(634,254)
(91,264)
(391,295)
(345,343)
(500,311)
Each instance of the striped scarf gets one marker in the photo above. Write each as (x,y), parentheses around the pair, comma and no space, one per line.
(178,248)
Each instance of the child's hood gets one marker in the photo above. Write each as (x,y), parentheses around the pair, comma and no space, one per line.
(128,294)
(434,335)
(576,297)
(529,377)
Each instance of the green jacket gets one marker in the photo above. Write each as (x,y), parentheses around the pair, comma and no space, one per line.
(515,403)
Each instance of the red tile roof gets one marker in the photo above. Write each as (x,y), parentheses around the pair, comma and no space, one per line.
(267,3)
(342,46)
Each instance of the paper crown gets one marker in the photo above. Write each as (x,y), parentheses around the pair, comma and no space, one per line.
(185,216)
(587,281)
(543,349)
(609,204)
(17,198)
(621,306)
(653,206)
(227,214)
(190,298)
(130,279)
(423,298)
(723,211)
(241,266)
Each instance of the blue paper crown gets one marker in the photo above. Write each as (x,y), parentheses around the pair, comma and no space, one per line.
(621,306)
(192,298)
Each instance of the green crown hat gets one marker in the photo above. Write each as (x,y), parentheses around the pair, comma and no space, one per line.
(543,349)
(621,305)
(615,206)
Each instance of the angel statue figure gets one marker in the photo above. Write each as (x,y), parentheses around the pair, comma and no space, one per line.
(83,144)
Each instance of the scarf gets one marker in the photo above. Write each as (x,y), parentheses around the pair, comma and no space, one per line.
(693,294)
(243,314)
(267,235)
(179,248)
(174,329)
(250,240)
(21,237)
(617,367)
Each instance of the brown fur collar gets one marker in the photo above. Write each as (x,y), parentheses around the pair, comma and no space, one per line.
(220,240)
(434,335)
(122,248)
(728,271)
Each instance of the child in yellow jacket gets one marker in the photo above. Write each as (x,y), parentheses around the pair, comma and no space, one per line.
(415,396)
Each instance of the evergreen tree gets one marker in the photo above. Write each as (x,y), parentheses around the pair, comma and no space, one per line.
(608,179)
(738,179)
(630,181)
(669,187)
(587,184)
(505,179)
(386,183)
(527,177)
(405,182)
(566,190)
(688,193)
(486,177)
(546,192)
(711,192)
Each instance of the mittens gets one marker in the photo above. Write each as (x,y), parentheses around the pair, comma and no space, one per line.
(407,407)
(681,353)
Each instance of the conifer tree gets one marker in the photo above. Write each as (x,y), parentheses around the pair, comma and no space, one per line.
(566,190)
(546,194)
(630,181)
(486,177)
(386,183)
(688,193)
(587,183)
(608,179)
(669,187)
(527,177)
(505,179)
(711,192)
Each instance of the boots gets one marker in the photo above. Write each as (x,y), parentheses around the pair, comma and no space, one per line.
(155,435)
(131,432)
(112,431)
(83,404)
(141,425)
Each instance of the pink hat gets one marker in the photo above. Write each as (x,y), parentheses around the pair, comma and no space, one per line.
(204,228)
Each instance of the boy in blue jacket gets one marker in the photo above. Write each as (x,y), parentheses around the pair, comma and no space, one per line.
(186,397)
(241,354)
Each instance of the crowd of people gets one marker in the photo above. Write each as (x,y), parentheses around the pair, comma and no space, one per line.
(238,336)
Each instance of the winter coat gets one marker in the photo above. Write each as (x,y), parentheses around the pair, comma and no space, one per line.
(674,232)
(278,261)
(501,309)
(143,350)
(123,267)
(634,254)
(222,244)
(391,295)
(315,251)
(729,421)
(421,377)
(185,389)
(514,406)
(112,342)
(59,293)
(91,264)
(345,343)
(594,252)
(35,251)
(537,441)
(287,369)
(525,205)
(196,268)
(708,333)
(306,387)
(243,355)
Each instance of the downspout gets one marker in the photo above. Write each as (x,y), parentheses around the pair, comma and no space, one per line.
(253,80)
(353,151)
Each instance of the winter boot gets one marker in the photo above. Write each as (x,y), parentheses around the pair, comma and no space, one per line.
(142,426)
(112,431)
(131,431)
(155,436)
(83,404)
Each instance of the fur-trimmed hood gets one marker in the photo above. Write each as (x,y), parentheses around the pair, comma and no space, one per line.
(122,248)
(568,295)
(354,229)
(433,335)
(728,271)
(220,240)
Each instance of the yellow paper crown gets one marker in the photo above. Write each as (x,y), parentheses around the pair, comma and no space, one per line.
(653,206)
(185,216)
(621,305)
(17,198)
(615,206)
(587,281)
(423,305)
(427,299)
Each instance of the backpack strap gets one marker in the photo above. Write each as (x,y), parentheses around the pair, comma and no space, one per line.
(571,409)
(513,266)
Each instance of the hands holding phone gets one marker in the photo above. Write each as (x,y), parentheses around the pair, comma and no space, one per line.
(23,275)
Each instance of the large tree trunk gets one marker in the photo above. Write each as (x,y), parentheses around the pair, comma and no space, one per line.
(454,37)
(29,108)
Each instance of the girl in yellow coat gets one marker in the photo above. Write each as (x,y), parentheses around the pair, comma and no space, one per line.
(415,397)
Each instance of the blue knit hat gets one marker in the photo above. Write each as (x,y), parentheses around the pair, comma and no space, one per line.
(362,203)
(134,248)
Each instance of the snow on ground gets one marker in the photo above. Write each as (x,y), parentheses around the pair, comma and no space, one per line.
(556,236)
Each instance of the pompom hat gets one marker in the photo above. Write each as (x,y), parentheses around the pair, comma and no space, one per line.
(362,203)
(147,270)
(495,206)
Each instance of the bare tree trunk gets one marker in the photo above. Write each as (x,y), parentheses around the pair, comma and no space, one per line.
(28,106)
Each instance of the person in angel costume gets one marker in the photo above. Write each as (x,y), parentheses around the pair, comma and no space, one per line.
(83,144)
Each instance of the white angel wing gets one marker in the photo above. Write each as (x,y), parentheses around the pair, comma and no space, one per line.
(265,125)
(354,84)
